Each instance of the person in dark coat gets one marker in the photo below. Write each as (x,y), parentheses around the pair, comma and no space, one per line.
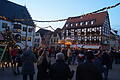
(106,62)
(19,61)
(42,66)
(88,70)
(60,70)
(28,58)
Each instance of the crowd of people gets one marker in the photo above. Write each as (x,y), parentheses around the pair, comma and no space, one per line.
(91,64)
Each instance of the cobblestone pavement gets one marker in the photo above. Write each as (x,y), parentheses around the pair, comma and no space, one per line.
(7,74)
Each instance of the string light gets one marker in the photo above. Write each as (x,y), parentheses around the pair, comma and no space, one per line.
(105,8)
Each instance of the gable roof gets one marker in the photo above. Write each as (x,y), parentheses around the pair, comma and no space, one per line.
(58,30)
(114,32)
(43,32)
(99,19)
(12,11)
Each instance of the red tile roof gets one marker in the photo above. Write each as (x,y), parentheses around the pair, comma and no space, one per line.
(98,17)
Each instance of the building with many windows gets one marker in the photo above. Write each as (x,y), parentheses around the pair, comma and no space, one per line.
(45,37)
(37,41)
(55,38)
(22,31)
(114,40)
(91,29)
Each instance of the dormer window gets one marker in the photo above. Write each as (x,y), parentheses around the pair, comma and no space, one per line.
(81,17)
(90,29)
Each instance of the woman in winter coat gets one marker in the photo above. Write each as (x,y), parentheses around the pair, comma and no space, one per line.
(42,66)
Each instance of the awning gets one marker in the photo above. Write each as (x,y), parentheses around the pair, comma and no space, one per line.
(91,46)
(78,45)
(83,46)
(63,45)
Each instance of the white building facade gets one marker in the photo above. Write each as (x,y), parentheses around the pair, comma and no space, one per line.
(37,40)
(23,31)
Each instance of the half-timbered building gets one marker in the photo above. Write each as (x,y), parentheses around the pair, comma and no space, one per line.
(90,29)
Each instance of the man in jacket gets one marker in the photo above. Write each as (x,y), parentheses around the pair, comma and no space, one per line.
(60,70)
(88,70)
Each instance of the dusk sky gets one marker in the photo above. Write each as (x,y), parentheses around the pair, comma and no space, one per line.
(60,9)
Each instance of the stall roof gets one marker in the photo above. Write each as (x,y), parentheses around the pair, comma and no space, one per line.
(78,45)
(86,46)
(91,46)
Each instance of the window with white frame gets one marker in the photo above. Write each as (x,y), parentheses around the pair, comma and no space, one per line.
(82,30)
(66,32)
(76,24)
(92,22)
(90,38)
(85,39)
(92,29)
(66,25)
(98,28)
(37,34)
(30,29)
(4,25)
(24,28)
(95,29)
(99,38)
(88,29)
(23,38)
(86,23)
(81,23)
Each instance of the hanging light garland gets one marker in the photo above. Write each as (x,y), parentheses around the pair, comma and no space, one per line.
(100,10)
(105,8)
